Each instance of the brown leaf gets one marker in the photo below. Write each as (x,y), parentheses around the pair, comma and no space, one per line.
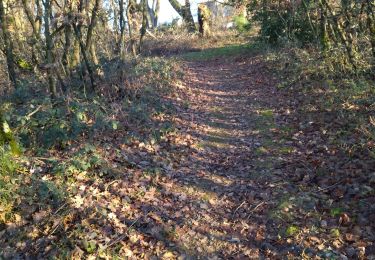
(344,219)
(351,237)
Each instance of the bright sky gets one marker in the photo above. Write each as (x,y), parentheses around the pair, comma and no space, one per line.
(167,13)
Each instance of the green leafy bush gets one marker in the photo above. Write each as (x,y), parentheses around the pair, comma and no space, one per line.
(279,22)
(55,126)
(241,23)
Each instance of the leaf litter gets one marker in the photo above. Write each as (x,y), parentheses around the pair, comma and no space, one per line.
(245,174)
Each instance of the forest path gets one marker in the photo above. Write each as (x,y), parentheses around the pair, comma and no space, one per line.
(231,172)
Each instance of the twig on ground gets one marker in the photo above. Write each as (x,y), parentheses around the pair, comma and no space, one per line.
(118,239)
(34,112)
(329,187)
(243,202)
(255,208)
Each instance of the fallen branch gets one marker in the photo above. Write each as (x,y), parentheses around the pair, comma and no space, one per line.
(151,34)
(34,112)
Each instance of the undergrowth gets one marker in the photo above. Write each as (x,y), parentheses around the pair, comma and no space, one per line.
(327,85)
(71,139)
(8,185)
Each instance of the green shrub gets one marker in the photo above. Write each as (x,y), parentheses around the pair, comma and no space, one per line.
(8,185)
(281,23)
(241,23)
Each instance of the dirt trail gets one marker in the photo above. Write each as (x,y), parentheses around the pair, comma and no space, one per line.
(234,169)
(231,117)
(269,182)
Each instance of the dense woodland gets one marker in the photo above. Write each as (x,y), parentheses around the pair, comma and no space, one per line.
(245,136)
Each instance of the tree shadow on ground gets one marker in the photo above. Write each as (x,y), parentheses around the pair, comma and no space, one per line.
(230,190)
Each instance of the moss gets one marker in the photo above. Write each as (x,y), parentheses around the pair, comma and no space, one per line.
(261,150)
(335,232)
(267,113)
(291,231)
(23,64)
(286,150)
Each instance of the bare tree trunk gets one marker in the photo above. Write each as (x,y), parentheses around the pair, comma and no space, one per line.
(30,15)
(67,44)
(90,30)
(129,18)
(84,54)
(156,13)
(144,24)
(49,48)
(92,51)
(122,30)
(75,56)
(36,32)
(39,17)
(324,39)
(204,17)
(185,13)
(8,46)
(116,14)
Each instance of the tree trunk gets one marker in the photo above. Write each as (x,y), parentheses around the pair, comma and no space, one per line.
(129,18)
(204,17)
(49,49)
(90,30)
(67,44)
(84,54)
(144,24)
(371,25)
(185,13)
(75,56)
(122,30)
(156,13)
(324,39)
(8,46)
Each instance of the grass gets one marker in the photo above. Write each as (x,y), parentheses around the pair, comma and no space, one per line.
(178,42)
(221,52)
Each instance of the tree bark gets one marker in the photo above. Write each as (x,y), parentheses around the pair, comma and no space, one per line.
(84,54)
(324,39)
(49,48)
(204,17)
(90,30)
(8,46)
(67,44)
(122,30)
(129,18)
(144,24)
(371,25)
(156,13)
(185,13)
